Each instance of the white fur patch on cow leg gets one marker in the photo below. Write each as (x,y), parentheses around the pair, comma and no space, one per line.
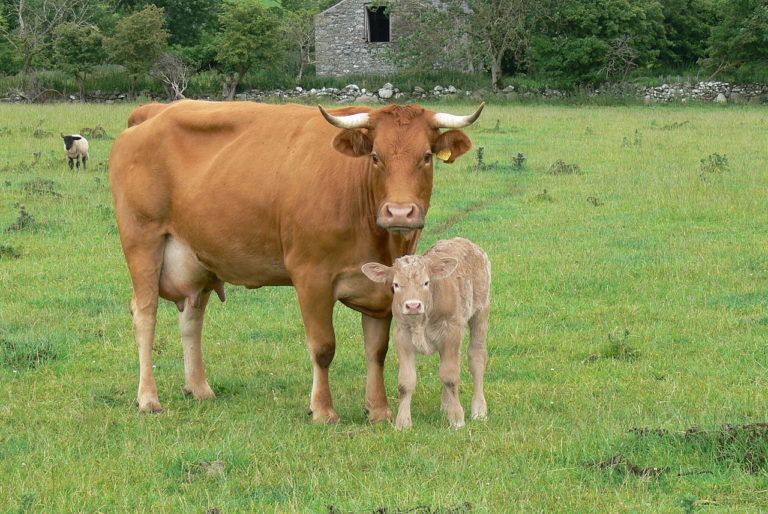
(144,320)
(191,324)
(316,302)
(477,355)
(376,337)
(406,378)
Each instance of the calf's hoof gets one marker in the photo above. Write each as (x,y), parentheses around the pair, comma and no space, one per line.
(403,423)
(479,409)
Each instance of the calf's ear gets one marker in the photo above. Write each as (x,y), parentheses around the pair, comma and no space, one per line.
(451,145)
(442,267)
(377,272)
(352,142)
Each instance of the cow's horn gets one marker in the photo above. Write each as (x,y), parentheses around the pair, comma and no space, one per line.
(360,120)
(445,120)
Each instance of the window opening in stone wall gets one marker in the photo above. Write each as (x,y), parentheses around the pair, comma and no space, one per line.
(377,24)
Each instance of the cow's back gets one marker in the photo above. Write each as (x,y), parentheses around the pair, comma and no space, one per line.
(252,188)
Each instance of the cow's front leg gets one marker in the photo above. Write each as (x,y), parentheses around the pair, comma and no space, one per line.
(316,302)
(406,378)
(376,337)
(191,324)
(449,374)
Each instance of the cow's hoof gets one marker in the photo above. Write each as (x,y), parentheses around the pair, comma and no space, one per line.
(382,414)
(150,407)
(324,416)
(203,392)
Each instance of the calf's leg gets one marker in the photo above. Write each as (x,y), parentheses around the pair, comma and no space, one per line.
(191,324)
(376,337)
(449,374)
(406,378)
(477,355)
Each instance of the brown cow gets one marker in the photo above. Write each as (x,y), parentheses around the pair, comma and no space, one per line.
(257,195)
(144,112)
(436,295)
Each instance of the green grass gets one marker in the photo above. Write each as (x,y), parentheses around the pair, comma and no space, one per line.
(630,309)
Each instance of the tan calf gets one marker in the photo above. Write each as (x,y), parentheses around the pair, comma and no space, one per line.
(436,295)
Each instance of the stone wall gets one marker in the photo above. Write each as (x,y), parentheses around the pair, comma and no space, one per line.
(717,92)
(341,46)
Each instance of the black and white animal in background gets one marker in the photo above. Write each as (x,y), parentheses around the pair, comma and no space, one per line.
(77,149)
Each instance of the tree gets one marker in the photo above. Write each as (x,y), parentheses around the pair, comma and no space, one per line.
(248,34)
(739,43)
(687,29)
(186,20)
(174,73)
(77,49)
(500,27)
(138,42)
(35,21)
(465,34)
(588,41)
(299,29)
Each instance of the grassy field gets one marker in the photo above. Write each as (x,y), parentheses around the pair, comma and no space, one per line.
(628,337)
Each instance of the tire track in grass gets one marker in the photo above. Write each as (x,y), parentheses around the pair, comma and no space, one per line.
(453,219)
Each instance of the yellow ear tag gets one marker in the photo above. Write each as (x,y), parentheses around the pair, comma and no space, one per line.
(444,154)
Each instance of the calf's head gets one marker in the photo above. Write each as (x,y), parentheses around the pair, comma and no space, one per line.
(411,277)
(401,141)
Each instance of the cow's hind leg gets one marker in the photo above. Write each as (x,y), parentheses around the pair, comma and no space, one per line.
(316,301)
(191,324)
(477,355)
(145,258)
(376,336)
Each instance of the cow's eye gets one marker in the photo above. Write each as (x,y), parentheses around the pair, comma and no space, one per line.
(427,158)
(395,285)
(375,158)
(426,284)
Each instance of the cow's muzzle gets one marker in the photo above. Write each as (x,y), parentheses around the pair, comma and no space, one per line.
(400,217)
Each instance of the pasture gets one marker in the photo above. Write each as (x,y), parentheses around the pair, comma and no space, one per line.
(628,344)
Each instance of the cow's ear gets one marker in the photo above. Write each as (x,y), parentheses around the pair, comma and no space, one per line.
(354,143)
(451,145)
(442,267)
(377,272)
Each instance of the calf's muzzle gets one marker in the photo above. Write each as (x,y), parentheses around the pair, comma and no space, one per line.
(400,217)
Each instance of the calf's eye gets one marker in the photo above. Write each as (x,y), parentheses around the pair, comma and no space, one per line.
(426,284)
(375,158)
